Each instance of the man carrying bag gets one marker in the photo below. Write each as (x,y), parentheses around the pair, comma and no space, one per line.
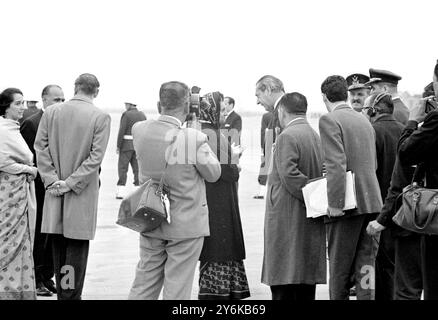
(169,253)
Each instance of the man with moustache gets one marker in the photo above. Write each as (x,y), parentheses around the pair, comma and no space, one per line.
(42,250)
(358,91)
(387,81)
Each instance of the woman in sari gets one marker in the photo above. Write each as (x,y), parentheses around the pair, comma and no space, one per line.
(17,202)
(222,272)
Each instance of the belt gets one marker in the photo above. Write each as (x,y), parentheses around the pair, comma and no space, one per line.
(128,137)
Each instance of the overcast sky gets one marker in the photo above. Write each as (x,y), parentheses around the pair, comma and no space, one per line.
(227,45)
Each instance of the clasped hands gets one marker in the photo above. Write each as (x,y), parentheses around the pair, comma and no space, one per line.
(58,188)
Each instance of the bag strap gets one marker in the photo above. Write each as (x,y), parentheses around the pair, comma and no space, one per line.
(418,169)
(161,184)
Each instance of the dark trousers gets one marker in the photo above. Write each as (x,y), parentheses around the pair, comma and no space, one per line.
(42,248)
(408,282)
(295,292)
(352,254)
(70,258)
(126,158)
(429,261)
(385,262)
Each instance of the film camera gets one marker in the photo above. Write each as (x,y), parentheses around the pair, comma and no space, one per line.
(195,101)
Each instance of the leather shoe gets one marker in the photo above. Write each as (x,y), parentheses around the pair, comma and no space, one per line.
(42,291)
(50,285)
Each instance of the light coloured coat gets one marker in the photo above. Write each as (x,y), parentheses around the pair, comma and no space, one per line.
(70,145)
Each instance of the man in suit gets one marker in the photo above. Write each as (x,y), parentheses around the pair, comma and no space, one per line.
(294,259)
(169,254)
(387,81)
(125,148)
(42,249)
(358,91)
(348,142)
(269,91)
(233,121)
(70,146)
(31,110)
(379,108)
(262,178)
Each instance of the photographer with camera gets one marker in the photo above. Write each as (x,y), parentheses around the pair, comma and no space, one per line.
(419,146)
(169,253)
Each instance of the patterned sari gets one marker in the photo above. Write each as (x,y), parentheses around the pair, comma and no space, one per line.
(17,212)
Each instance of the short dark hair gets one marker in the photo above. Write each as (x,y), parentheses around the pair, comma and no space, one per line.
(384,105)
(87,83)
(335,88)
(47,88)
(6,98)
(294,103)
(230,100)
(173,95)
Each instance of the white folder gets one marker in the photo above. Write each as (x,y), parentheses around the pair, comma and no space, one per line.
(315,196)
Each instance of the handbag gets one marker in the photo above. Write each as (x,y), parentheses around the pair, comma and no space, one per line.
(419,209)
(146,208)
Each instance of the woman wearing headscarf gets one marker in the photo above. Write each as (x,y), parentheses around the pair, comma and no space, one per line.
(222,273)
(17,202)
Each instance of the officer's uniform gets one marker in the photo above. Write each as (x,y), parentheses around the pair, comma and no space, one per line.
(401,112)
(125,145)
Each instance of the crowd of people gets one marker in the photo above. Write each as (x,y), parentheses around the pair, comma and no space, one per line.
(50,161)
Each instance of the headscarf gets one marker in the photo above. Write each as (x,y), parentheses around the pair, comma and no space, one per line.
(210,108)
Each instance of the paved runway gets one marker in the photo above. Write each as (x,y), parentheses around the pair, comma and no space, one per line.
(114,252)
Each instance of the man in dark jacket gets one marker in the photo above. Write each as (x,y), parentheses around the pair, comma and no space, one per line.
(233,121)
(379,108)
(125,147)
(263,177)
(42,251)
(420,146)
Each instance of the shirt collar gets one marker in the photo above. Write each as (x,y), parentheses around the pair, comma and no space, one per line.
(343,104)
(171,118)
(277,101)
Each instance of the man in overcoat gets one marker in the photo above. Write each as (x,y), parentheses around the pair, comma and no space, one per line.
(294,258)
(70,146)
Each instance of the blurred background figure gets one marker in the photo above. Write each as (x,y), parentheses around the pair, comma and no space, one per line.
(233,121)
(358,91)
(42,249)
(31,109)
(17,202)
(125,147)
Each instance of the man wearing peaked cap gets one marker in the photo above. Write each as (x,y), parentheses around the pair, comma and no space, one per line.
(358,90)
(125,147)
(387,81)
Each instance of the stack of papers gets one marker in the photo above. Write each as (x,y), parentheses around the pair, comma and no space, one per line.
(315,196)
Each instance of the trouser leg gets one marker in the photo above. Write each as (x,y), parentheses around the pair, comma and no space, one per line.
(149,275)
(365,262)
(123,166)
(134,166)
(408,282)
(429,253)
(385,262)
(179,269)
(343,237)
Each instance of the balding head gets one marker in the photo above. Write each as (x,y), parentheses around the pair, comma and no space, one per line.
(87,84)
(174,97)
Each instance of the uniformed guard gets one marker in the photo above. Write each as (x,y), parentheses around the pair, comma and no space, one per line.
(125,147)
(387,81)
(358,90)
